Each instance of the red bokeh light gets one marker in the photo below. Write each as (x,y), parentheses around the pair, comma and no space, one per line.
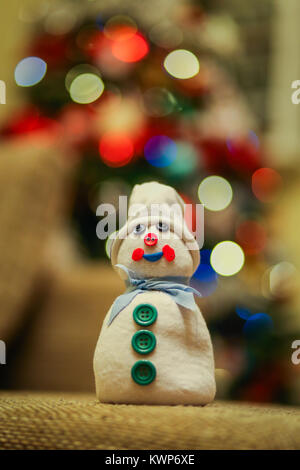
(76,123)
(251,236)
(116,149)
(265,184)
(131,49)
(30,121)
(120,32)
(243,155)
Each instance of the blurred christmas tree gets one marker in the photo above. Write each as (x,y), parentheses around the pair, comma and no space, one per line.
(140,94)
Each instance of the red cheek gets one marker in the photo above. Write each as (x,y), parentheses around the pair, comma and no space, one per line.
(168,252)
(137,254)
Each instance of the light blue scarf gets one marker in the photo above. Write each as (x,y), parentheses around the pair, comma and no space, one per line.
(176,287)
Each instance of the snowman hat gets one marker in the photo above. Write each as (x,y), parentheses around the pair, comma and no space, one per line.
(149,204)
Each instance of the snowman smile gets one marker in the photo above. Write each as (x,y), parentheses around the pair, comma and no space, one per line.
(167,251)
(153,257)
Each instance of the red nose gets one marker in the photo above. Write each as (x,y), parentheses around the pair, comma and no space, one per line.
(150,239)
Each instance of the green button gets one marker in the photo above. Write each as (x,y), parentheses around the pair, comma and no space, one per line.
(143,341)
(143,372)
(145,314)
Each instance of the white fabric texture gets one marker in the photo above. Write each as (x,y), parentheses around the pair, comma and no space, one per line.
(183,356)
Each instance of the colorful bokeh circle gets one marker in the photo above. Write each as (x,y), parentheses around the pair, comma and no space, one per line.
(116,149)
(160,151)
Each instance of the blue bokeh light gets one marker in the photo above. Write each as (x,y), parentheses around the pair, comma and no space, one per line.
(185,162)
(205,278)
(30,71)
(243,313)
(160,151)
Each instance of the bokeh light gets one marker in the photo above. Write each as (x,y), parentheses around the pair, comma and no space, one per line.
(185,162)
(205,279)
(166,35)
(116,149)
(79,70)
(251,236)
(243,313)
(158,102)
(257,326)
(182,64)
(254,138)
(243,153)
(76,123)
(120,27)
(265,184)
(233,144)
(160,151)
(30,71)
(33,11)
(60,21)
(227,258)
(86,88)
(281,278)
(131,49)
(215,193)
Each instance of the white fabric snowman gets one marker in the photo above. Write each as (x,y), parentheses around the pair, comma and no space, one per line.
(154,346)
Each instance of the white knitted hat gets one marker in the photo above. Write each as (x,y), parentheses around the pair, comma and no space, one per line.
(151,203)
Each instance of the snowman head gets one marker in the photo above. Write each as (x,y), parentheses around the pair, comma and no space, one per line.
(155,241)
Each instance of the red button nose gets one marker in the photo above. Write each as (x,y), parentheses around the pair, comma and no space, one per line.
(150,239)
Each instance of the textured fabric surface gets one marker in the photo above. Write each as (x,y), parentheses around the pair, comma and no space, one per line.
(62,421)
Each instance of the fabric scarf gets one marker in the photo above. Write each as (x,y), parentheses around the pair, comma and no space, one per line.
(180,291)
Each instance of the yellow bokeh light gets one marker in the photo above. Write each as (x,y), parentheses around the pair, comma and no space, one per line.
(86,88)
(281,277)
(79,69)
(215,193)
(182,64)
(227,258)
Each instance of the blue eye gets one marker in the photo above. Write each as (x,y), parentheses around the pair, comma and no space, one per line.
(162,227)
(140,228)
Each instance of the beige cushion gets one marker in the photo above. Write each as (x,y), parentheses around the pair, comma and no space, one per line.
(32,185)
(56,353)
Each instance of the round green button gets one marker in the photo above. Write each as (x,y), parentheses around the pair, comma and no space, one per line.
(143,341)
(144,314)
(143,372)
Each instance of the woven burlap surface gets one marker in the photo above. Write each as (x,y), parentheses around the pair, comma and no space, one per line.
(77,421)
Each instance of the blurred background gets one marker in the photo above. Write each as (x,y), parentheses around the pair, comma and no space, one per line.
(102,95)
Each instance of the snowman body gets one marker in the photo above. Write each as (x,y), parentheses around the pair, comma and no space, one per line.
(155,352)
(154,346)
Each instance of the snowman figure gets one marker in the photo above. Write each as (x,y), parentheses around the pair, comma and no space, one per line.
(154,346)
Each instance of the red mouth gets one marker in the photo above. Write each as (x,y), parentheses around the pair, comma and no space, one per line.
(167,251)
